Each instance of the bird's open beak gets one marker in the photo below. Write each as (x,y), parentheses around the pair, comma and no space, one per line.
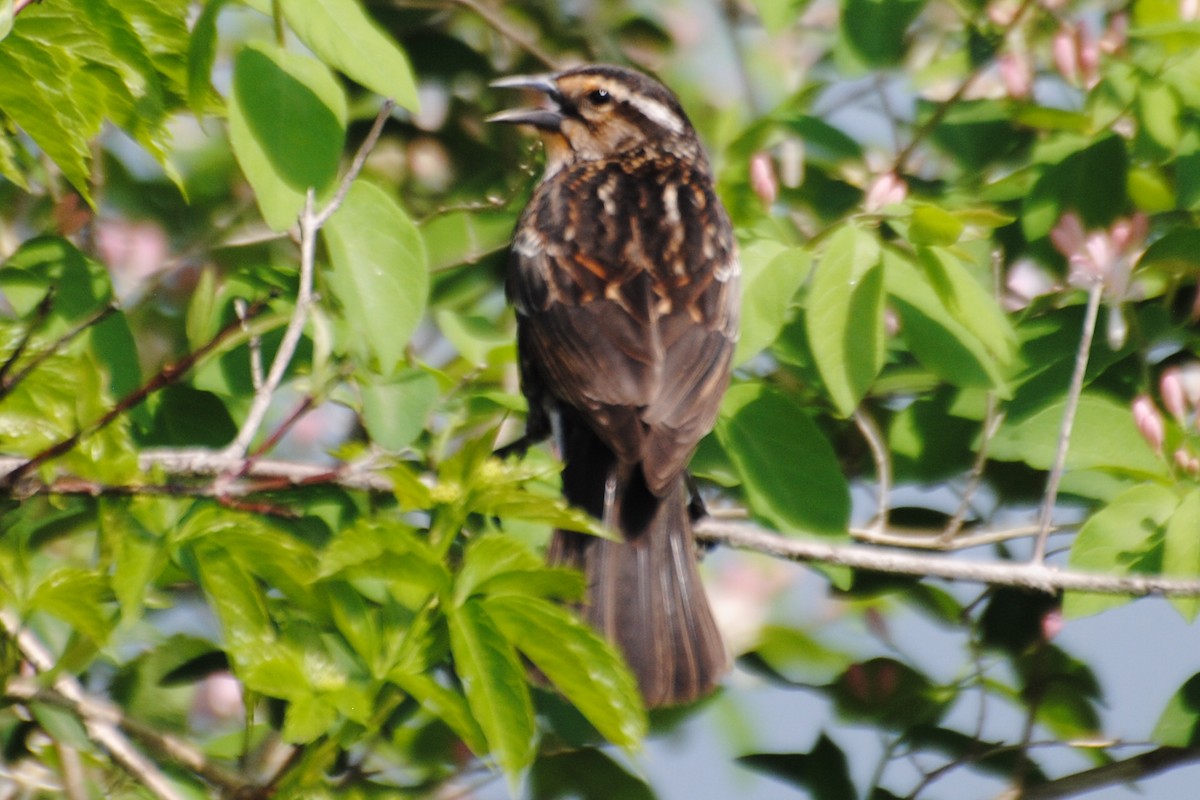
(545,117)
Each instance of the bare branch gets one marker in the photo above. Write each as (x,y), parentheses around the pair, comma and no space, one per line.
(1128,770)
(883,465)
(496,22)
(164,377)
(311,222)
(100,726)
(1033,576)
(1068,422)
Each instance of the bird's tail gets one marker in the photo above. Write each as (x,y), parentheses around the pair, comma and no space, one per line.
(644,592)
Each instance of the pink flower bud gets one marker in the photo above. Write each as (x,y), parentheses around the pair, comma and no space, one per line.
(886,190)
(1149,422)
(1186,461)
(1066,53)
(1189,379)
(1052,624)
(1017,74)
(1068,235)
(762,178)
(1170,388)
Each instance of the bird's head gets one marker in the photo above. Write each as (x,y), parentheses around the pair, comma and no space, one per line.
(596,112)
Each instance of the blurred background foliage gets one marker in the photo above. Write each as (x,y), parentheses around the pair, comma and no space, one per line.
(936,202)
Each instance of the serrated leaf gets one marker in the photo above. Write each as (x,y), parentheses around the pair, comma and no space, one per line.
(287,126)
(844,316)
(307,717)
(589,672)
(201,55)
(787,466)
(931,225)
(1181,550)
(237,600)
(1120,539)
(771,275)
(343,36)
(76,596)
(447,705)
(494,683)
(378,273)
(488,556)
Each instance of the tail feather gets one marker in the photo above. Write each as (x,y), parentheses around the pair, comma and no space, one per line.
(644,592)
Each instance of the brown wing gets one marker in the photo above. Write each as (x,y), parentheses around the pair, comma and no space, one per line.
(627,301)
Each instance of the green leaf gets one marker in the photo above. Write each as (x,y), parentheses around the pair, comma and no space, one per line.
(1181,550)
(844,316)
(494,683)
(488,556)
(343,36)
(445,704)
(934,335)
(237,600)
(201,55)
(76,596)
(889,693)
(478,339)
(307,718)
(1084,176)
(378,274)
(589,672)
(788,468)
(585,774)
(931,225)
(1103,436)
(823,772)
(1120,539)
(969,302)
(287,126)
(771,275)
(877,29)
(1179,725)
(396,410)
(464,237)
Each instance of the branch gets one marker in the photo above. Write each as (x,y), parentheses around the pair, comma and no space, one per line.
(496,22)
(1068,422)
(1023,575)
(311,222)
(164,377)
(1127,771)
(7,382)
(101,727)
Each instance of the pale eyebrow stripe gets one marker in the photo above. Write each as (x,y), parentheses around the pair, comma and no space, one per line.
(653,110)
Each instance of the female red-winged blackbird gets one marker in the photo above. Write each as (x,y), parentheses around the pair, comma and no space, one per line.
(625,278)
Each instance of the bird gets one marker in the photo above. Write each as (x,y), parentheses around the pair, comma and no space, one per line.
(624,274)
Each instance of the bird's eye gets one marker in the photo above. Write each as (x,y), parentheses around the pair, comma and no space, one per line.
(599,97)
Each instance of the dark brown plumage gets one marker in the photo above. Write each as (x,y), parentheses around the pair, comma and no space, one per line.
(624,275)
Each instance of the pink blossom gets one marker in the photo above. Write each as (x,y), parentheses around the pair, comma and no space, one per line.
(1101,256)
(1189,379)
(1077,54)
(1149,422)
(1186,461)
(1170,388)
(1026,281)
(886,190)
(1189,10)
(1052,624)
(1016,71)
(762,178)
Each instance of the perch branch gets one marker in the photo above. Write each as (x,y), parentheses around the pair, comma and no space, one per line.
(311,222)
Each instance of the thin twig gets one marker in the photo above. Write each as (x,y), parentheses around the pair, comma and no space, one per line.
(1068,422)
(1022,575)
(164,377)
(883,465)
(1126,771)
(39,317)
(55,347)
(311,222)
(100,728)
(254,343)
(993,418)
(501,26)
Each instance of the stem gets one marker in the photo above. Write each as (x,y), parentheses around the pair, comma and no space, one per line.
(1064,435)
